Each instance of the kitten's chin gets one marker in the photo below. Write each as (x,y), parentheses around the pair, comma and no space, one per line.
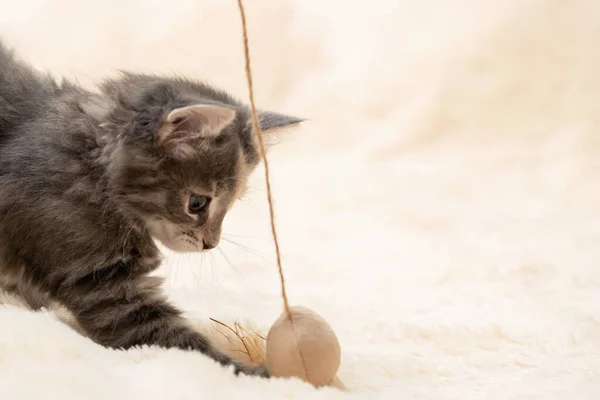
(181,246)
(173,241)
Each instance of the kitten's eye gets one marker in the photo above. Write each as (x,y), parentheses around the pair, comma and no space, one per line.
(198,204)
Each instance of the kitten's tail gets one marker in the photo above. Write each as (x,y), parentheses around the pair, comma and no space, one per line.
(22,90)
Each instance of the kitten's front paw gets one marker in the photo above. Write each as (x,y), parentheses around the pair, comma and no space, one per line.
(256,370)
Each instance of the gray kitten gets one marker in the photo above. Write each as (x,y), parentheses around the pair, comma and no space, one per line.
(87,180)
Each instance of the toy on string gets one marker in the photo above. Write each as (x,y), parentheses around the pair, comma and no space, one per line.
(300,343)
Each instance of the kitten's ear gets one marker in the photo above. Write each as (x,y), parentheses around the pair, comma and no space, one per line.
(200,119)
(271,122)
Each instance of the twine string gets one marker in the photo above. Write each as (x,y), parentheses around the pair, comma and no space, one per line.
(258,133)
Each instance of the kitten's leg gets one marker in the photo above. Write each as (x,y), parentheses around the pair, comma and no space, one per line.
(118,311)
(14,282)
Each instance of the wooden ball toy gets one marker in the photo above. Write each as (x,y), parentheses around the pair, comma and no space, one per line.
(308,350)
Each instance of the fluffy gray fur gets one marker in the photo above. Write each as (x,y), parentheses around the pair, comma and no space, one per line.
(89,179)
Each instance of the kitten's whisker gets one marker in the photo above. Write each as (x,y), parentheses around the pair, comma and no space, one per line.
(197,277)
(227,259)
(177,261)
(202,258)
(208,267)
(240,236)
(242,246)
(248,249)
(168,270)
(214,270)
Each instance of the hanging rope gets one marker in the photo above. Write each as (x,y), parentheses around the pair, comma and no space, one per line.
(258,133)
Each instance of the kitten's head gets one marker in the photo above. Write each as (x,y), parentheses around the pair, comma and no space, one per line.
(179,154)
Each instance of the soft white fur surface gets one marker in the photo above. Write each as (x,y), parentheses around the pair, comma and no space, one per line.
(440,208)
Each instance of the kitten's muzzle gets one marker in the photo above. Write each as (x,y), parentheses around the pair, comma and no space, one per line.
(209,245)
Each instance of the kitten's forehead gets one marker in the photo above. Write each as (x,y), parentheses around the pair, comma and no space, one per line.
(213,168)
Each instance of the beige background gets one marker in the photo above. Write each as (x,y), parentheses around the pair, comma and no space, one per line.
(439,208)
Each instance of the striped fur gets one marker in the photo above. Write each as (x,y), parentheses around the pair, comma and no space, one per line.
(86,187)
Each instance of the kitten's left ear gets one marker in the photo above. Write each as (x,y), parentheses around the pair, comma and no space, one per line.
(271,122)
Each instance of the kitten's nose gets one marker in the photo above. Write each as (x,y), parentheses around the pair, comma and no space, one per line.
(208,245)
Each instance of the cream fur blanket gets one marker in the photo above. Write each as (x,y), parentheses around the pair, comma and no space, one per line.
(441,208)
